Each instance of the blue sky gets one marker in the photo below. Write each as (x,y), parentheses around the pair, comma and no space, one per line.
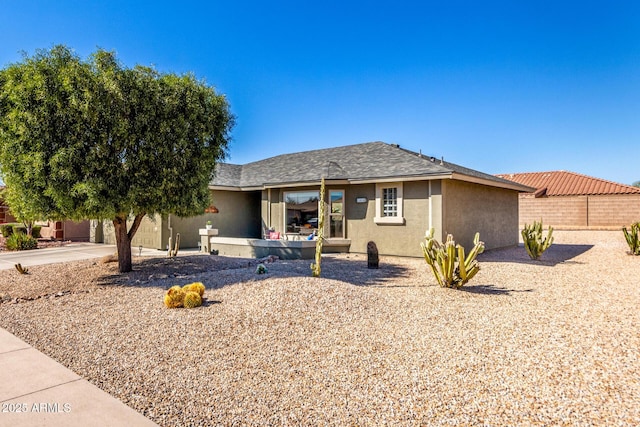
(496,86)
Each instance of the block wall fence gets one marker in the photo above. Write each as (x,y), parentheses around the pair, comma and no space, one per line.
(581,212)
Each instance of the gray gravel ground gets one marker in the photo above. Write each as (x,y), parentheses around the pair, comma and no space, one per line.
(549,342)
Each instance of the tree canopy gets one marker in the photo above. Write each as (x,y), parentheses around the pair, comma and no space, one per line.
(83,139)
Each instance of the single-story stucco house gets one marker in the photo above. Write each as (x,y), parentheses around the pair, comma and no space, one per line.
(374,192)
(570,200)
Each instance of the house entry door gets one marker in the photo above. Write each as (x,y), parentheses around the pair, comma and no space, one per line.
(336,214)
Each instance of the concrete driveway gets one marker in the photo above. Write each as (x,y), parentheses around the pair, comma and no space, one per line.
(70,252)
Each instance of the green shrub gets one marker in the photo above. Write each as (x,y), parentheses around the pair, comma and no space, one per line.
(633,238)
(19,228)
(448,262)
(9,229)
(21,242)
(6,230)
(534,243)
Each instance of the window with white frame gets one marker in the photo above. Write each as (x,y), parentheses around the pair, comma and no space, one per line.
(389,203)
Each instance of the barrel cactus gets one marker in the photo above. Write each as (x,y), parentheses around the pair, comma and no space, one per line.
(174,297)
(195,287)
(192,299)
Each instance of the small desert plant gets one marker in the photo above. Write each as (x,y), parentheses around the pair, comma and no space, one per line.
(174,297)
(195,287)
(633,238)
(448,262)
(534,243)
(261,269)
(21,242)
(21,269)
(192,299)
(174,251)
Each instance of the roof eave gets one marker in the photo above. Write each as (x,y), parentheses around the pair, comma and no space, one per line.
(506,185)
(404,178)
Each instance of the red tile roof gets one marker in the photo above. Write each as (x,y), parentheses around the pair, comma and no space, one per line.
(563,183)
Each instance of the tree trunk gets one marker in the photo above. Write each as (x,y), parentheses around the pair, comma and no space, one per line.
(123,240)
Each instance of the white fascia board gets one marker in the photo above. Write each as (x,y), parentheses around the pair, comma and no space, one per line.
(229,188)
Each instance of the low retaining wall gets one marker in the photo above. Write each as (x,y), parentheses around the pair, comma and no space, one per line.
(283,249)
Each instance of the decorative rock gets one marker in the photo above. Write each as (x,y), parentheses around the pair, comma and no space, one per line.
(372,255)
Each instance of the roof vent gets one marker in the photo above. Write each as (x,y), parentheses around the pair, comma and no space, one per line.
(433,159)
(395,145)
(442,160)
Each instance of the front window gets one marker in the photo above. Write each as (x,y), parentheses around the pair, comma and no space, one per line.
(389,205)
(302,211)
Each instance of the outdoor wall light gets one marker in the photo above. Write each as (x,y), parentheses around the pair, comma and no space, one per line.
(361,200)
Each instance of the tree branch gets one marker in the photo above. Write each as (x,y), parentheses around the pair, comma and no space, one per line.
(136,223)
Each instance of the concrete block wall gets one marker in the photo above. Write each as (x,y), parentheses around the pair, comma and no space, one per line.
(581,212)
(614,211)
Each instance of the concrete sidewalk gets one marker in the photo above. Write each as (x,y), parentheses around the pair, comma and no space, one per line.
(35,390)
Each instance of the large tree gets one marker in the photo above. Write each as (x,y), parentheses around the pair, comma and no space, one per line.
(93,139)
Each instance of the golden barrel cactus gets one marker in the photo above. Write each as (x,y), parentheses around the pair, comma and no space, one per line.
(174,297)
(192,299)
(195,287)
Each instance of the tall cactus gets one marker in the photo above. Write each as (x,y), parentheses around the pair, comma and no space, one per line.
(534,243)
(633,238)
(315,267)
(448,262)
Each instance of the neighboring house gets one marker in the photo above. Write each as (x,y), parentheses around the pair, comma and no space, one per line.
(5,215)
(61,230)
(570,200)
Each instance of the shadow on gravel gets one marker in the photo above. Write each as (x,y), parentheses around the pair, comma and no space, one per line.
(556,254)
(146,271)
(164,272)
(491,290)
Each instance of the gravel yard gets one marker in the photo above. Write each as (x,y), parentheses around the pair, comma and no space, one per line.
(549,342)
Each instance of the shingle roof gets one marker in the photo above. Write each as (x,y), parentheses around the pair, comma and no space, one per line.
(563,183)
(359,162)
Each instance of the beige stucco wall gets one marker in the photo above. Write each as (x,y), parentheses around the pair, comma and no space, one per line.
(402,240)
(148,235)
(469,208)
(239,216)
(448,206)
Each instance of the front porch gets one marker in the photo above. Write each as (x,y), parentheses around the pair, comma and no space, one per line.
(283,249)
